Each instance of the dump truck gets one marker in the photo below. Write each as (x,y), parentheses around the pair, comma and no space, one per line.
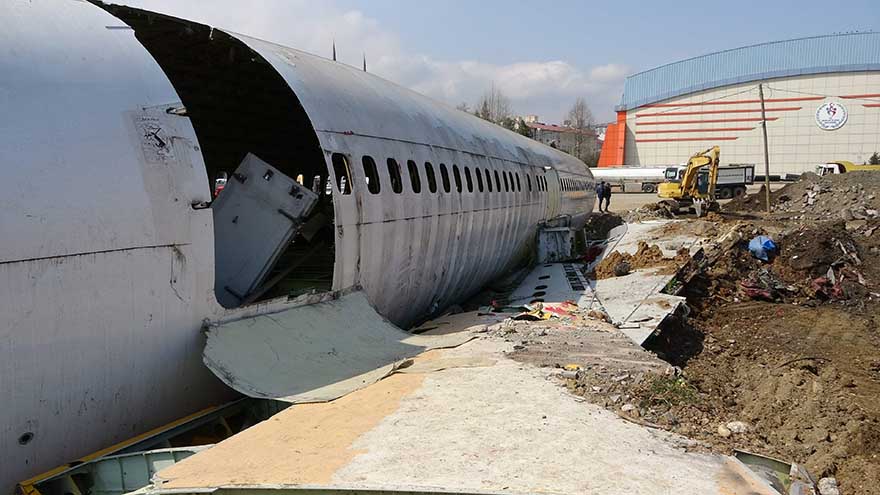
(732,179)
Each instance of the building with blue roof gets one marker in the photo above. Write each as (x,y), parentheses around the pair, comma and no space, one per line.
(821,98)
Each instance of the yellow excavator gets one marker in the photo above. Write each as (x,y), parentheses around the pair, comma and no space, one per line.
(695,189)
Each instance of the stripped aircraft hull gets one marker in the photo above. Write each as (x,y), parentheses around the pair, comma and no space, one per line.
(107,265)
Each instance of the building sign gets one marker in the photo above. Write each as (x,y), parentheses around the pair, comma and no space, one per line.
(831,116)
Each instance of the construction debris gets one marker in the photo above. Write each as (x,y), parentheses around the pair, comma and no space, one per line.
(850,196)
(780,357)
(652,211)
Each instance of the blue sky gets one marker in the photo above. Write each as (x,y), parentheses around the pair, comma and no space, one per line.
(543,55)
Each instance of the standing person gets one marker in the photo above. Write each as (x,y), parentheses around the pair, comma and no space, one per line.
(600,193)
(607,194)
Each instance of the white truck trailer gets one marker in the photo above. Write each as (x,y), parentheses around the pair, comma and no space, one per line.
(632,179)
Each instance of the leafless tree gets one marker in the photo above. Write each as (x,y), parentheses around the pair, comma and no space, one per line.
(493,106)
(582,122)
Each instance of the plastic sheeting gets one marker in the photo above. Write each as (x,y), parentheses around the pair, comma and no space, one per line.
(314,353)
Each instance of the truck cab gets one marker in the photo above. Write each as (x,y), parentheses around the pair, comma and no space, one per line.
(842,166)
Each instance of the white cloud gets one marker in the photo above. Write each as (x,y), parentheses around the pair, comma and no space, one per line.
(546,88)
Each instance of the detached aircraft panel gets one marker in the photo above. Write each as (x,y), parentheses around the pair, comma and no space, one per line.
(255,217)
(316,352)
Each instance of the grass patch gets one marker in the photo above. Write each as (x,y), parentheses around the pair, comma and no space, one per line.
(671,391)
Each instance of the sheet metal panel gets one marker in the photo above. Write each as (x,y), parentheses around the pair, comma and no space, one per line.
(104,275)
(255,218)
(74,91)
(316,352)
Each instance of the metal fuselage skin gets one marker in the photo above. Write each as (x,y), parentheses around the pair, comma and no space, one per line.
(107,257)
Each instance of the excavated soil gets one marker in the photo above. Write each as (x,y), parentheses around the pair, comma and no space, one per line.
(618,264)
(779,358)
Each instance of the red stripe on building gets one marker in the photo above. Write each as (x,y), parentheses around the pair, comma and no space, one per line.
(733,102)
(702,138)
(706,121)
(707,112)
(871,105)
(852,97)
(703,129)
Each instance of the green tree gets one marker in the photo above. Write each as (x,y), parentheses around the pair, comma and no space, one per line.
(522,129)
(875,159)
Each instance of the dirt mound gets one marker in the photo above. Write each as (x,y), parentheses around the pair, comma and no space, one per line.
(618,264)
(846,196)
(803,380)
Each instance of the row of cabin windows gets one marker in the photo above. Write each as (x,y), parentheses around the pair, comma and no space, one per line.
(574,184)
(484,179)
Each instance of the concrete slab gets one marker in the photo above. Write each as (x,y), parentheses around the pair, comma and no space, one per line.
(634,302)
(503,427)
(554,282)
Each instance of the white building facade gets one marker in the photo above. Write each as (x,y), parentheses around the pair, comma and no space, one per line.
(821,98)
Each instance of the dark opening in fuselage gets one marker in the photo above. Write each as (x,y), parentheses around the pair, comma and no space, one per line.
(239,104)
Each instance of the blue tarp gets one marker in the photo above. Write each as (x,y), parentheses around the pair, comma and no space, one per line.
(762,247)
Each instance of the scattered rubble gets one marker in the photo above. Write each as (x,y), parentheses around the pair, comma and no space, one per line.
(651,211)
(780,358)
(850,196)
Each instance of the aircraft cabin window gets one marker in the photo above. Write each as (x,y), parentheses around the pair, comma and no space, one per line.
(371,174)
(518,183)
(488,180)
(394,174)
(497,181)
(529,182)
(432,179)
(444,176)
(479,179)
(342,172)
(468,179)
(506,184)
(414,180)
(457,176)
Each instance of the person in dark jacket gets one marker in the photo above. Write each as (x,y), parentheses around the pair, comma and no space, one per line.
(606,195)
(600,192)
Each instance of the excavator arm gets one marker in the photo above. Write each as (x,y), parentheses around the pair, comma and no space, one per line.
(690,191)
(690,182)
